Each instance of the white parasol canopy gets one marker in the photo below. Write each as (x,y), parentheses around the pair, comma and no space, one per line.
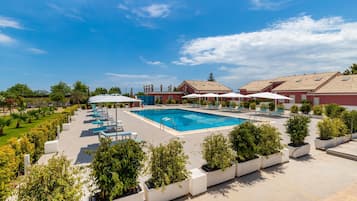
(232,95)
(210,95)
(113,98)
(192,96)
(269,95)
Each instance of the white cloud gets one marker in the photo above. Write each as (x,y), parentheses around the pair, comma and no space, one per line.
(268,4)
(297,45)
(5,39)
(122,7)
(6,22)
(156,10)
(36,51)
(72,13)
(138,80)
(155,63)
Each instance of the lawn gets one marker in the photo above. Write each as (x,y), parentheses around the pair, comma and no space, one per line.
(11,131)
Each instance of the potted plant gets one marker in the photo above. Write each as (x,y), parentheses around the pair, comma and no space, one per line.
(252,105)
(329,129)
(263,107)
(269,146)
(350,120)
(115,170)
(169,176)
(271,106)
(244,142)
(297,127)
(294,109)
(317,110)
(305,107)
(219,156)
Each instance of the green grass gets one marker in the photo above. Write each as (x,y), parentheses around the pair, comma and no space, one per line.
(11,131)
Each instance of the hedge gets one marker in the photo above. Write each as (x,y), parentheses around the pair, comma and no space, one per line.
(11,154)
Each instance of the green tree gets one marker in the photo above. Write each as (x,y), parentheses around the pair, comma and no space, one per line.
(211,77)
(351,70)
(79,93)
(99,90)
(4,122)
(20,90)
(2,102)
(56,181)
(59,92)
(114,90)
(269,140)
(19,117)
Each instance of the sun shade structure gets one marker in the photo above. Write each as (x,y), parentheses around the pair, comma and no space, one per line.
(113,98)
(268,95)
(192,96)
(232,95)
(210,95)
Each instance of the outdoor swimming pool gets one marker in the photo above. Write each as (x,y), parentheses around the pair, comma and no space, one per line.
(184,120)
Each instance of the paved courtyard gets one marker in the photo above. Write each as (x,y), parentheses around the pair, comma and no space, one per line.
(319,176)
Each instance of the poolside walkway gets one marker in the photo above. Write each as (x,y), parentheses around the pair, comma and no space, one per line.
(319,176)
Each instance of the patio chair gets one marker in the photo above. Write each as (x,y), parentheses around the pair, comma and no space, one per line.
(125,135)
(278,112)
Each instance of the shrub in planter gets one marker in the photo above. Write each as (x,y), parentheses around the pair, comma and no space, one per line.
(269,146)
(184,101)
(252,105)
(317,110)
(263,106)
(280,106)
(167,164)
(244,142)
(58,180)
(305,108)
(115,168)
(350,120)
(21,147)
(294,109)
(8,170)
(329,129)
(298,129)
(233,104)
(333,110)
(271,106)
(269,140)
(246,105)
(217,152)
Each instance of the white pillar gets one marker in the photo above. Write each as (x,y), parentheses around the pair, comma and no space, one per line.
(27,163)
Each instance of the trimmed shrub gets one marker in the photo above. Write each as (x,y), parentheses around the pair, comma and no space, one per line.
(305,108)
(4,122)
(294,109)
(184,101)
(329,128)
(115,169)
(217,152)
(167,164)
(244,141)
(263,106)
(21,147)
(350,120)
(246,104)
(8,170)
(281,106)
(252,105)
(56,181)
(269,140)
(333,110)
(317,110)
(297,127)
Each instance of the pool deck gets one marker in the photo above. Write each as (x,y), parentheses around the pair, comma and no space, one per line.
(319,176)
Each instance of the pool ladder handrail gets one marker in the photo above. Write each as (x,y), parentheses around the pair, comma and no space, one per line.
(162,126)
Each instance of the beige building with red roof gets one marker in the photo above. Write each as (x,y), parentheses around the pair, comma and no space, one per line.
(202,87)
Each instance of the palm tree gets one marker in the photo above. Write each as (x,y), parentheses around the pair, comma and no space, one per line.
(19,117)
(4,122)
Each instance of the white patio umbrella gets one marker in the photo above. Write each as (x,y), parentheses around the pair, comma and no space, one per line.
(192,96)
(232,95)
(210,95)
(112,98)
(268,95)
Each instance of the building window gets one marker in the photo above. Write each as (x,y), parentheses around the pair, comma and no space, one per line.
(292,99)
(316,101)
(303,97)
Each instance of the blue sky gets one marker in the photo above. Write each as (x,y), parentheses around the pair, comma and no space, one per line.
(129,43)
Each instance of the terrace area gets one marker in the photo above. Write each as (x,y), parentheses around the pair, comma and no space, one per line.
(319,176)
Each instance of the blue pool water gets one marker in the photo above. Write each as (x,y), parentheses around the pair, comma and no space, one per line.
(183,120)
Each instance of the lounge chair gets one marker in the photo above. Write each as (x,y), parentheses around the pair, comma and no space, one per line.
(278,112)
(124,135)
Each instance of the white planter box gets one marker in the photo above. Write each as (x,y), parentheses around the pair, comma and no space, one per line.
(198,182)
(273,159)
(325,144)
(219,176)
(285,157)
(169,192)
(73,118)
(248,167)
(354,135)
(296,152)
(51,147)
(134,197)
(66,126)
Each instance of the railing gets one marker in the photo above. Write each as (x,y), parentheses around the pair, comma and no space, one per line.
(162,126)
